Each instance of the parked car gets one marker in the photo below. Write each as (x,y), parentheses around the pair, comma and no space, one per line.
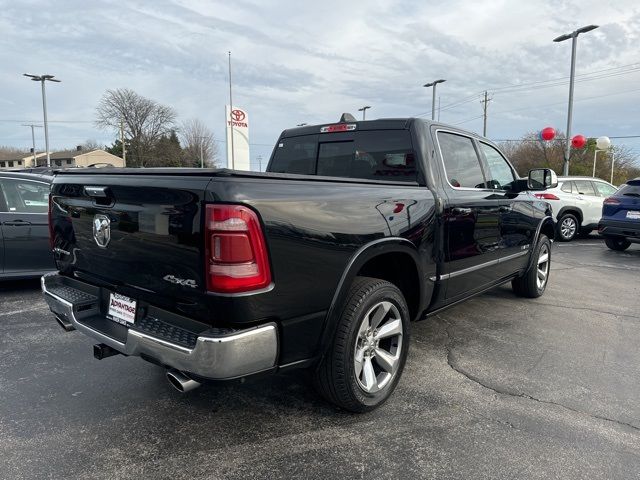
(24,233)
(620,222)
(356,229)
(577,204)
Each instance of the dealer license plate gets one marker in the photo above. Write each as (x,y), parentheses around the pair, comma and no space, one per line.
(121,309)
(633,214)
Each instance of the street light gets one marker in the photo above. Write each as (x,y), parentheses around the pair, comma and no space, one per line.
(433,101)
(364,110)
(574,37)
(602,145)
(42,79)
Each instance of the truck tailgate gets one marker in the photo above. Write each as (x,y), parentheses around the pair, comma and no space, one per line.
(141,232)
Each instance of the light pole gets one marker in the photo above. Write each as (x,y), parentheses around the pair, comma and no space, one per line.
(33,140)
(42,79)
(433,101)
(574,38)
(602,145)
(364,110)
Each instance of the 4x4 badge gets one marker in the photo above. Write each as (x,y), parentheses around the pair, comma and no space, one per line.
(101,230)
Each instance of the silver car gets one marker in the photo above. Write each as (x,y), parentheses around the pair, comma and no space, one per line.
(577,204)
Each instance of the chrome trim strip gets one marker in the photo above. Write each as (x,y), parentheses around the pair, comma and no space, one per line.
(490,263)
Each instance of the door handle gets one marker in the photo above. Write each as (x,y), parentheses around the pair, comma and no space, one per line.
(505,208)
(462,211)
(17,223)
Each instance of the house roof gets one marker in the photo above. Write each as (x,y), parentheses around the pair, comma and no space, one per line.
(17,155)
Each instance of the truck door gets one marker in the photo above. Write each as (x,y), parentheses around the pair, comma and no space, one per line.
(471,216)
(517,223)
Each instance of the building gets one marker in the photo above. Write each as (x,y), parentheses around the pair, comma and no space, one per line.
(64,159)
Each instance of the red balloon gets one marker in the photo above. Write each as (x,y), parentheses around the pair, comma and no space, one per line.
(579,141)
(548,134)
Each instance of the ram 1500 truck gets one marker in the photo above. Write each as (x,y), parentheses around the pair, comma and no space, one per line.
(356,229)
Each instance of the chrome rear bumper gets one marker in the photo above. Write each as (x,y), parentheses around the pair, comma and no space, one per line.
(214,356)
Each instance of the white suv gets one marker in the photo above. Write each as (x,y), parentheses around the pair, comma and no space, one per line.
(577,204)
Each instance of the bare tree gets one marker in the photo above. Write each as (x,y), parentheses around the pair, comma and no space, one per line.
(194,134)
(90,145)
(144,121)
(531,152)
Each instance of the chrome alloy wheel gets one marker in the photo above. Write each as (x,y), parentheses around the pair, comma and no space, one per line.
(568,227)
(543,266)
(378,347)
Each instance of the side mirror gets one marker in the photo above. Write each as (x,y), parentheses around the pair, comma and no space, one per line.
(541,179)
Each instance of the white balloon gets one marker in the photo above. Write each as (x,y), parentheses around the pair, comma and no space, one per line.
(603,143)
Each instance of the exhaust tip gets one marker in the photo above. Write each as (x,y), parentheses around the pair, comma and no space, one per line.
(181,382)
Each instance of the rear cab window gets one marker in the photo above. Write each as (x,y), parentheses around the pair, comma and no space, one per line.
(385,155)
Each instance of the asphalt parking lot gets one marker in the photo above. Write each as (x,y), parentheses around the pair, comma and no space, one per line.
(498,387)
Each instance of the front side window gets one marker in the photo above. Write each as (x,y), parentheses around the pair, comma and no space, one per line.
(604,189)
(461,162)
(499,173)
(585,187)
(24,196)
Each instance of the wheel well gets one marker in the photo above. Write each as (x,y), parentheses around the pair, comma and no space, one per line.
(399,269)
(548,230)
(575,212)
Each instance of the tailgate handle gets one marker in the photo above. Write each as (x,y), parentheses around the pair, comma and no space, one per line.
(96,191)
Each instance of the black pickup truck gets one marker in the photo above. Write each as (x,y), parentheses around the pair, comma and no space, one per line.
(355,230)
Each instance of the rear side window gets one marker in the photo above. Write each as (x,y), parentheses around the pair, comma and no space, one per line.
(567,187)
(371,155)
(585,187)
(461,161)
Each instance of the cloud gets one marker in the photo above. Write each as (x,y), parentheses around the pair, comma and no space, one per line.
(308,62)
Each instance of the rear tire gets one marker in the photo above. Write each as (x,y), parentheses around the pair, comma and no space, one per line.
(568,227)
(618,244)
(534,282)
(363,365)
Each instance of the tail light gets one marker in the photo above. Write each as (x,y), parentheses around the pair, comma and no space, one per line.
(546,196)
(50,221)
(340,127)
(235,250)
(611,201)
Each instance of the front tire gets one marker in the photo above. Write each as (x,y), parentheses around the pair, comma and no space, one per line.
(534,282)
(618,244)
(364,364)
(568,227)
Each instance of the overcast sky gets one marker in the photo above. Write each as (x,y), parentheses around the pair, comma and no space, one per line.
(308,62)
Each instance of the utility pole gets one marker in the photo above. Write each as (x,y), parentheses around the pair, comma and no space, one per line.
(230,119)
(438,107)
(124,146)
(259,158)
(201,153)
(33,140)
(485,103)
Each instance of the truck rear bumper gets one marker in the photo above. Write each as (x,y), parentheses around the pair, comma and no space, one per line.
(216,355)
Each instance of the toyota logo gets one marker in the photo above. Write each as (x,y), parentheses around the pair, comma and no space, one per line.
(237,115)
(101,230)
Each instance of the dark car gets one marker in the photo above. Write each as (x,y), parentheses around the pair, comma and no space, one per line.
(24,233)
(620,222)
